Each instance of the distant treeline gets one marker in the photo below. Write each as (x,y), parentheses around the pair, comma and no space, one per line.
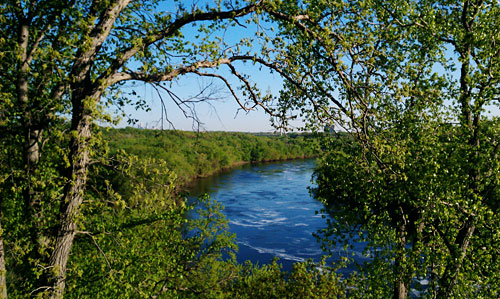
(198,154)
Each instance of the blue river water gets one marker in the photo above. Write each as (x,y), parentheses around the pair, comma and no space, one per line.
(274,216)
(270,210)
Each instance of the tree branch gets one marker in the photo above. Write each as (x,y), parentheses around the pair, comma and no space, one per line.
(196,16)
(97,37)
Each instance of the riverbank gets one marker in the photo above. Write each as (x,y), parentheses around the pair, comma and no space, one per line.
(137,225)
(194,155)
(194,180)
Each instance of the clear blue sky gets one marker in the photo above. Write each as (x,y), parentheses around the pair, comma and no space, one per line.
(220,114)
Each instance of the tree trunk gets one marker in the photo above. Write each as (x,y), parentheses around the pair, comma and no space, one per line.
(3,271)
(31,136)
(450,276)
(31,157)
(31,147)
(73,197)
(470,122)
(400,288)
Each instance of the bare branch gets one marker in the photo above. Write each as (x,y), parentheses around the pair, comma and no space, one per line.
(228,85)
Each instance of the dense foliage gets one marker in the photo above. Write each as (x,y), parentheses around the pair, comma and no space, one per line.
(412,84)
(63,65)
(143,240)
(66,223)
(191,154)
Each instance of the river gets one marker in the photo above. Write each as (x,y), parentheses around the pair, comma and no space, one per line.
(270,210)
(273,215)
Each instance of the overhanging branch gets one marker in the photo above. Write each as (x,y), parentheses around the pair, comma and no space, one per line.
(171,29)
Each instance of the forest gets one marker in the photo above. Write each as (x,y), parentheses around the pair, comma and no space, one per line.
(408,93)
(199,154)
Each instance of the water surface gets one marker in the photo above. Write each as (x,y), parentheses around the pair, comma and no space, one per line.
(270,210)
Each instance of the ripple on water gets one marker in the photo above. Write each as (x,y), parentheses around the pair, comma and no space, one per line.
(280,252)
(271,211)
(301,224)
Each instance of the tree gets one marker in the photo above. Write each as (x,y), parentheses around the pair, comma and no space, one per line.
(417,178)
(69,60)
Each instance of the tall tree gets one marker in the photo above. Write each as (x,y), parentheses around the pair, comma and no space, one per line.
(417,178)
(60,60)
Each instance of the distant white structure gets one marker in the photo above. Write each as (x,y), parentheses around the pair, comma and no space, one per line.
(149,126)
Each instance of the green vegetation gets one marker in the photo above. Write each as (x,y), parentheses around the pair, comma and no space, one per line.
(69,226)
(192,155)
(74,61)
(139,242)
(418,178)
(410,82)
